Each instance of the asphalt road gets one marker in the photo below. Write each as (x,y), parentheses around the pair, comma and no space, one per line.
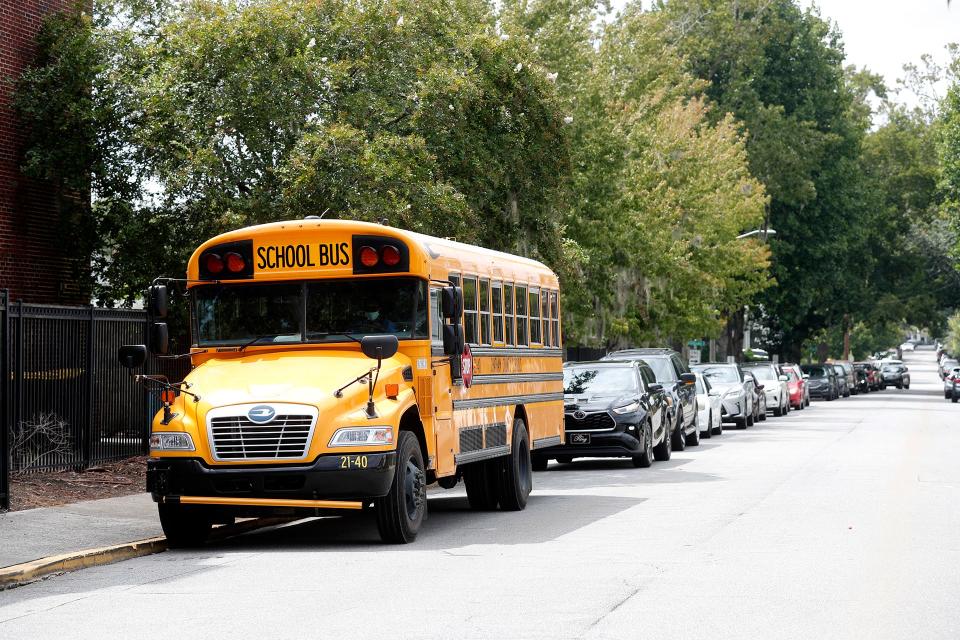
(839,521)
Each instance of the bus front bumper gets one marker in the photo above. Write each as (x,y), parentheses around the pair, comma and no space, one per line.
(327,479)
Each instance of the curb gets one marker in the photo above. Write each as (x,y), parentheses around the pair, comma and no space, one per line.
(20,574)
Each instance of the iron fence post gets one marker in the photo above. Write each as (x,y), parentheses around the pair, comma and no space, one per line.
(5,457)
(91,391)
(18,403)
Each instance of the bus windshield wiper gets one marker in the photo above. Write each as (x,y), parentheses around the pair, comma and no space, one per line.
(257,339)
(336,333)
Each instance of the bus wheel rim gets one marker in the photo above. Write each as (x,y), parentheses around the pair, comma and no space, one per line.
(413,489)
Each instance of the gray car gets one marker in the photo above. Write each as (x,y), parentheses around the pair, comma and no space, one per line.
(842,382)
(951,385)
(735,389)
(774,382)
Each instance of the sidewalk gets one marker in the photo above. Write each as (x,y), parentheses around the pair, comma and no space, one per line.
(49,531)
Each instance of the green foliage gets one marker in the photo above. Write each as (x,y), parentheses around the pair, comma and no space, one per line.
(952,341)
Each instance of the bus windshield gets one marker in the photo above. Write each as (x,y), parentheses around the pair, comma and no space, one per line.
(318,311)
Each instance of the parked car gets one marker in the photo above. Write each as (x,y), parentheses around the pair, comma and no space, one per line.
(736,392)
(759,397)
(822,381)
(842,383)
(849,375)
(872,372)
(946,366)
(709,407)
(679,383)
(611,410)
(951,385)
(796,386)
(907,346)
(895,375)
(774,381)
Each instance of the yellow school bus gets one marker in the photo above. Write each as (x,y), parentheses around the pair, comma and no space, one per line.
(348,365)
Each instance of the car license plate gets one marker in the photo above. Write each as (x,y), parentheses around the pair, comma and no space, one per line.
(579,438)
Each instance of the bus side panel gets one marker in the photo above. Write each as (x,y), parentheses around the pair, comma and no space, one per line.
(446,439)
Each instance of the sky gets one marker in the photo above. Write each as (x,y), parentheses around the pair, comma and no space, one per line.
(882,35)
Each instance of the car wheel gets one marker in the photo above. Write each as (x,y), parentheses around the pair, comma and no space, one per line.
(777,412)
(718,430)
(645,459)
(741,423)
(679,441)
(664,450)
(184,526)
(762,415)
(709,432)
(516,476)
(401,512)
(539,463)
(693,439)
(955,397)
(906,385)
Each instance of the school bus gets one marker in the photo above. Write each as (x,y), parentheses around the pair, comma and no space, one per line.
(342,365)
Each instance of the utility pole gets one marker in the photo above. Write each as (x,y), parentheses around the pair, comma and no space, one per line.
(846,336)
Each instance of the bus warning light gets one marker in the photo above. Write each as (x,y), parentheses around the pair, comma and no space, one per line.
(369,257)
(235,262)
(391,255)
(214,263)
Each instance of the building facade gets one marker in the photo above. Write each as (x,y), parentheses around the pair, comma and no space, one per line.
(36,264)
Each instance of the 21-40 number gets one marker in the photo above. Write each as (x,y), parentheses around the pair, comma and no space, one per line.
(353,462)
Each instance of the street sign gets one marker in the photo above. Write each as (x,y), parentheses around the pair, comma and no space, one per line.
(696,344)
(694,356)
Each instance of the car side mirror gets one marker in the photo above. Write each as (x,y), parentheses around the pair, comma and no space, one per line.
(784,378)
(158,301)
(159,339)
(806,376)
(132,356)
(655,387)
(451,303)
(379,347)
(453,339)
(688,378)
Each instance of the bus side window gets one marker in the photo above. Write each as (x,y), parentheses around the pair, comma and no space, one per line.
(470,309)
(535,337)
(508,312)
(545,316)
(497,290)
(522,334)
(484,293)
(555,317)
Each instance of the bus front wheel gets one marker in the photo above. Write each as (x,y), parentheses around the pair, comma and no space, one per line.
(184,527)
(401,512)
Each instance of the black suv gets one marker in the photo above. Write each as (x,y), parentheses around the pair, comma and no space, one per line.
(681,387)
(822,381)
(611,410)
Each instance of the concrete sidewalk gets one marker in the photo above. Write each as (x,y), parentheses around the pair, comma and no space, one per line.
(50,531)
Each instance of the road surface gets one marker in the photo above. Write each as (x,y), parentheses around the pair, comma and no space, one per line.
(839,521)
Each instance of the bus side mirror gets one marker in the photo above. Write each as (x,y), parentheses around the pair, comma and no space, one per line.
(159,338)
(157,300)
(453,339)
(451,303)
(379,347)
(132,356)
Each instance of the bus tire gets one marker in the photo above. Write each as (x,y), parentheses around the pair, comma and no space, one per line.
(481,481)
(184,527)
(401,512)
(516,472)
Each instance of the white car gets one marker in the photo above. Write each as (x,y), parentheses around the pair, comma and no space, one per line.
(774,383)
(709,408)
(907,346)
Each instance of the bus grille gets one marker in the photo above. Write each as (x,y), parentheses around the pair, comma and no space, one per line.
(237,438)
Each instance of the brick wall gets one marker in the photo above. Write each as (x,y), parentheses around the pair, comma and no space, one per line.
(34,254)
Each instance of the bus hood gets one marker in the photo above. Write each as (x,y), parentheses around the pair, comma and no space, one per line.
(305,377)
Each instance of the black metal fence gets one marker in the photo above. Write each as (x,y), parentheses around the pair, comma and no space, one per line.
(65,401)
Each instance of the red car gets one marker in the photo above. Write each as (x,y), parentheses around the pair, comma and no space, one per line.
(874,383)
(796,386)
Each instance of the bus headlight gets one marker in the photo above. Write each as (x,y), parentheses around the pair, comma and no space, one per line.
(362,436)
(171,441)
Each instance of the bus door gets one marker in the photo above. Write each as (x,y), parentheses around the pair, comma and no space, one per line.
(441,388)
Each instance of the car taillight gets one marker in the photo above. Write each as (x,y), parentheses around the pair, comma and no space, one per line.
(214,263)
(235,262)
(390,255)
(369,257)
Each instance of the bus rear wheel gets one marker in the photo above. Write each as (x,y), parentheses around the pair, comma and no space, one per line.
(401,512)
(184,527)
(481,481)
(516,474)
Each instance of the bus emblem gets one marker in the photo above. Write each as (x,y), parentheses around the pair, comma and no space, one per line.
(261,414)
